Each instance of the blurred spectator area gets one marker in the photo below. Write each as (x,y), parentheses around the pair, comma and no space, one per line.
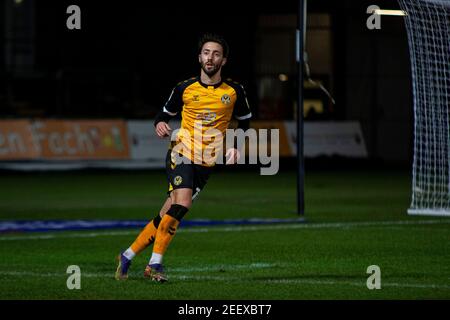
(276,68)
(114,71)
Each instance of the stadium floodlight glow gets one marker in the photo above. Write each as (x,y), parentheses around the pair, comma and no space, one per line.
(283,77)
(383,12)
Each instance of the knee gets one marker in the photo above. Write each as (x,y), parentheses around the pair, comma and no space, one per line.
(184,200)
(177,211)
(163,211)
(187,203)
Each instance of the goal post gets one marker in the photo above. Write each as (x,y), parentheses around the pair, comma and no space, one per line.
(428,29)
(300,47)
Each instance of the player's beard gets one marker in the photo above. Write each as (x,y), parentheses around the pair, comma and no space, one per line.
(210,72)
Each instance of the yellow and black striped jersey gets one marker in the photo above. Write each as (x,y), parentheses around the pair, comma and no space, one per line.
(205,106)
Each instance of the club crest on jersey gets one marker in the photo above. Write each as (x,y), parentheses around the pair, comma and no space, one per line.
(177,180)
(226,99)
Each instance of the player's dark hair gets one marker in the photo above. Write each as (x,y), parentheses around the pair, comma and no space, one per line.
(213,37)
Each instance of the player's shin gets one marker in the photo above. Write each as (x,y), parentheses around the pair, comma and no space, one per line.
(144,239)
(166,231)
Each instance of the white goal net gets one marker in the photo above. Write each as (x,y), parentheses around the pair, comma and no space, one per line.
(428,29)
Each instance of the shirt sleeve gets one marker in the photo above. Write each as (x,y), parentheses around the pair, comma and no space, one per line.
(241,107)
(175,101)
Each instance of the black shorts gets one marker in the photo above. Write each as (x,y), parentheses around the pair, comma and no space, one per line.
(186,175)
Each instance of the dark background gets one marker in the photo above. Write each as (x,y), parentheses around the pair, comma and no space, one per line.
(128,55)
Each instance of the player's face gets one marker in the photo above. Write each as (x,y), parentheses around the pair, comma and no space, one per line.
(211,58)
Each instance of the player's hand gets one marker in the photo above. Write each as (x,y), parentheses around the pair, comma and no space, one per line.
(162,129)
(233,155)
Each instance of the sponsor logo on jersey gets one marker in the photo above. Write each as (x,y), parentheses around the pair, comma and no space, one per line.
(207,118)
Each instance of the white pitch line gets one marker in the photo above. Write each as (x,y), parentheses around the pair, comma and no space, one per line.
(258,265)
(360,284)
(234,278)
(217,268)
(71,235)
(332,225)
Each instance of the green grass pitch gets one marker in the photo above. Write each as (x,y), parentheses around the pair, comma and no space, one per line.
(354,220)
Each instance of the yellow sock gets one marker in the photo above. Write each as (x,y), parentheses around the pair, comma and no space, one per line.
(147,236)
(165,234)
